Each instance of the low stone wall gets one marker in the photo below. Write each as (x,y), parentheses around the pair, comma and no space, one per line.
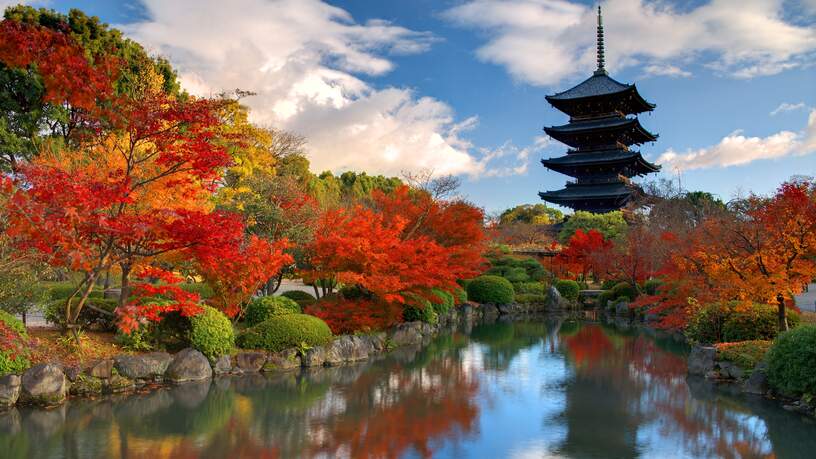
(50,384)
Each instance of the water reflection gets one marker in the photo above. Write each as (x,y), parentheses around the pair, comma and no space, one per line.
(528,389)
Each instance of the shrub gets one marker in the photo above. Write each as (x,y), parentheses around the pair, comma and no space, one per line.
(568,289)
(300,297)
(746,354)
(491,290)
(444,303)
(13,345)
(529,287)
(792,361)
(755,322)
(54,313)
(516,275)
(211,332)
(203,289)
(423,313)
(141,339)
(651,286)
(286,331)
(605,297)
(624,289)
(706,325)
(608,284)
(62,290)
(265,307)
(460,295)
(531,298)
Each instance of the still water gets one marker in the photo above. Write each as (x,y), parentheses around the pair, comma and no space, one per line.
(551,388)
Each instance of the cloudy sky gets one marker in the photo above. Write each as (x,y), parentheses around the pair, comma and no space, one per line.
(458,86)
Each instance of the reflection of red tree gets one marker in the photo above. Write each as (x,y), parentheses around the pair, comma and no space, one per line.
(589,346)
(411,410)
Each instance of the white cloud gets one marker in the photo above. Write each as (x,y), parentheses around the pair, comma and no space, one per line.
(544,41)
(666,70)
(307,61)
(736,149)
(787,107)
(519,158)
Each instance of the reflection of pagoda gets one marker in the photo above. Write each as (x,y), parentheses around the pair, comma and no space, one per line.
(600,134)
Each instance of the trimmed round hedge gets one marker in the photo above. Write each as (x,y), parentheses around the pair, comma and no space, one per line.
(14,359)
(792,361)
(490,290)
(211,332)
(568,289)
(284,332)
(425,313)
(266,307)
(300,297)
(624,289)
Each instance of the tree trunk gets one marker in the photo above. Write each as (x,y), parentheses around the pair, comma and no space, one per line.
(783,322)
(124,292)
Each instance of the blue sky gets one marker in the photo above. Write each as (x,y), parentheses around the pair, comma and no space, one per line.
(459,86)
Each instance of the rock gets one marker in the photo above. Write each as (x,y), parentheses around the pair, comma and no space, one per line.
(249,361)
(730,370)
(701,360)
(101,369)
(283,360)
(555,301)
(406,333)
(9,391)
(377,341)
(622,308)
(86,386)
(347,349)
(188,365)
(44,384)
(72,372)
(118,384)
(757,383)
(490,311)
(143,366)
(223,365)
(314,357)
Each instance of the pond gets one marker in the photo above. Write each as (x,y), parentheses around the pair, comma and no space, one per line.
(549,388)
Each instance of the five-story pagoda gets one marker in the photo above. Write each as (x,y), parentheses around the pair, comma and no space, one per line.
(600,132)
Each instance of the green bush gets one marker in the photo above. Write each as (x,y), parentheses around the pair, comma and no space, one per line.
(516,275)
(531,298)
(286,331)
(139,340)
(516,269)
(605,297)
(14,353)
(265,307)
(203,289)
(211,333)
(568,289)
(54,312)
(424,313)
(624,289)
(529,287)
(62,290)
(792,361)
(444,301)
(460,295)
(608,284)
(651,286)
(758,322)
(706,325)
(490,290)
(300,297)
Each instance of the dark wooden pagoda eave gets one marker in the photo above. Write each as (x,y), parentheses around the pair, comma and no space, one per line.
(631,132)
(628,101)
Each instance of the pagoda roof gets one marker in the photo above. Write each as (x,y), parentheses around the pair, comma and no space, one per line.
(574,191)
(628,131)
(601,85)
(603,157)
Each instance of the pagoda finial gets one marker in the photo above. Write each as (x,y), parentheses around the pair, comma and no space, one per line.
(601,69)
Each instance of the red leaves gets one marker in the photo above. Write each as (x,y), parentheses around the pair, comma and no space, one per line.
(350,316)
(577,256)
(151,301)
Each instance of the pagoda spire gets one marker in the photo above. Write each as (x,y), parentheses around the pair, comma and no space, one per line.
(600,44)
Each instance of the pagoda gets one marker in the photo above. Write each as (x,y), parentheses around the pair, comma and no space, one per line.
(603,127)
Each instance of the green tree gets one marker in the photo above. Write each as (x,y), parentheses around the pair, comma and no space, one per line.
(610,224)
(538,214)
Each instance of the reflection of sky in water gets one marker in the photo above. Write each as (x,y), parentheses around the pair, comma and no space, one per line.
(515,391)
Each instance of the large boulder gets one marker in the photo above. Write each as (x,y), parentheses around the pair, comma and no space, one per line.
(406,333)
(44,384)
(555,301)
(490,311)
(314,357)
(284,360)
(101,369)
(622,309)
(701,360)
(188,365)
(347,349)
(118,384)
(223,365)
(9,391)
(757,383)
(249,361)
(143,366)
(86,386)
